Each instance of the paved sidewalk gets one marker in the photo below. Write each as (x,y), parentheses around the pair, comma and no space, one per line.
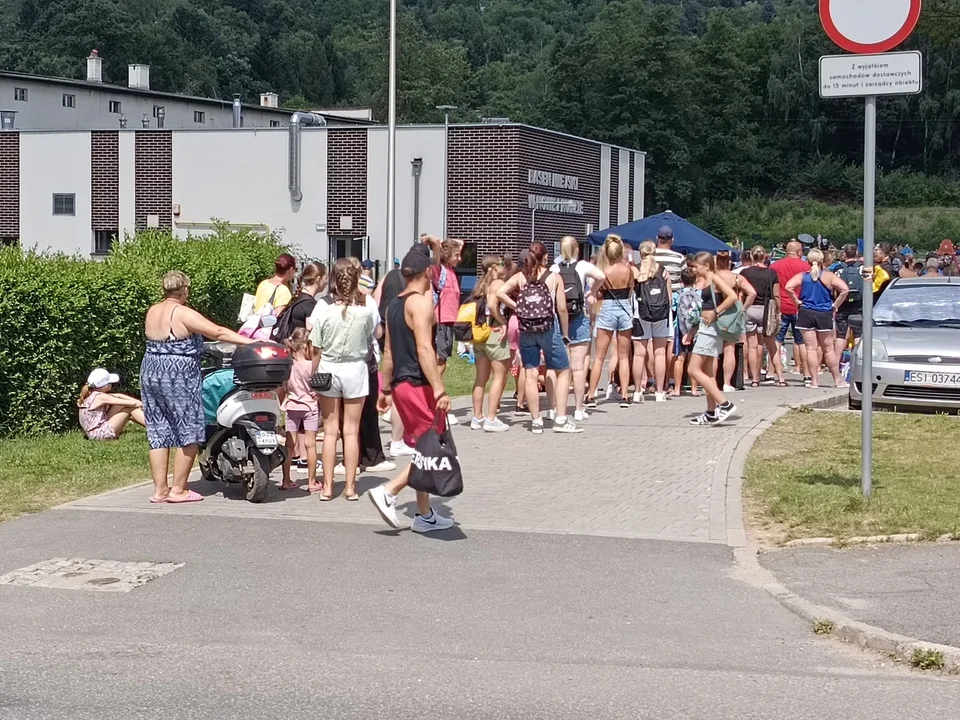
(907,589)
(642,472)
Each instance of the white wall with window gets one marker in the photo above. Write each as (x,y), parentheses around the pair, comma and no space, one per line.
(242,177)
(55,175)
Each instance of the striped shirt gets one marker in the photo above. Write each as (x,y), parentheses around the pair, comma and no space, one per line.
(670,261)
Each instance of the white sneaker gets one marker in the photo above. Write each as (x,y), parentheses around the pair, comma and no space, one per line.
(496,425)
(536,426)
(729,388)
(384,466)
(434,521)
(387,417)
(399,449)
(660,397)
(452,419)
(724,412)
(341,470)
(476,423)
(386,508)
(580,415)
(638,397)
(550,415)
(566,426)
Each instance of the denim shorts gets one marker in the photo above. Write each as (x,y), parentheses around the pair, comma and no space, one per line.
(615,316)
(789,321)
(579,329)
(550,343)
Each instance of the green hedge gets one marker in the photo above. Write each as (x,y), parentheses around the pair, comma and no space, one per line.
(62,316)
(774,221)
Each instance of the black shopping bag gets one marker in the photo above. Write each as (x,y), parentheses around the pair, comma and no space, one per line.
(435,468)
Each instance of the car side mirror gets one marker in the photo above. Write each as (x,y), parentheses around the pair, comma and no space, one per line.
(856,322)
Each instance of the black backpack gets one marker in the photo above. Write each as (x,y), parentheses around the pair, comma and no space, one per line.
(653,300)
(572,287)
(850,274)
(284,327)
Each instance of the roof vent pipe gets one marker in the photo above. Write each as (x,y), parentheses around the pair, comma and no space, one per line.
(236,111)
(94,67)
(297,121)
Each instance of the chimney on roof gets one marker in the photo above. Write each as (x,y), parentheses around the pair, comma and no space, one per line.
(94,67)
(139,77)
(269,99)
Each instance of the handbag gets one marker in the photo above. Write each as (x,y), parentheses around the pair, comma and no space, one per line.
(435,467)
(772,324)
(733,321)
(321,381)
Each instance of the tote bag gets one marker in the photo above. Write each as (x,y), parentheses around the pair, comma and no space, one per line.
(733,321)
(435,467)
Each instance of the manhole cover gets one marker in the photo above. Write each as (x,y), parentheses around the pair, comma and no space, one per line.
(80,574)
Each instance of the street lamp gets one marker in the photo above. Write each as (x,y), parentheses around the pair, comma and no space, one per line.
(445,109)
(555,206)
(392,137)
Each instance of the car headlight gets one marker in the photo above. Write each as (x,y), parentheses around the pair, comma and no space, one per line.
(879,351)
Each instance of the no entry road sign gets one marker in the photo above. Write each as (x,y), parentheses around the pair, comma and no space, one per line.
(869,26)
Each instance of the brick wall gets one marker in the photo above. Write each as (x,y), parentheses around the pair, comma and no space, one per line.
(615,218)
(541,150)
(153,173)
(347,179)
(105,180)
(9,187)
(484,203)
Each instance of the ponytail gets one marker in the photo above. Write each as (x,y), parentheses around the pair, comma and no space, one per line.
(815,258)
(536,257)
(84,394)
(346,282)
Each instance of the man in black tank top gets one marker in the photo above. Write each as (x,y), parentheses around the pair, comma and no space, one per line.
(412,383)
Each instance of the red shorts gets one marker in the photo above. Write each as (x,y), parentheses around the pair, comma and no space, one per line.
(417,409)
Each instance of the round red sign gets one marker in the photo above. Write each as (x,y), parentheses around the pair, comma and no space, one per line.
(869,27)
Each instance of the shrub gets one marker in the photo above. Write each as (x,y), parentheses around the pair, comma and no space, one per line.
(62,316)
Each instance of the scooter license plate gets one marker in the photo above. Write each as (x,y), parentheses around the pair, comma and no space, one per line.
(264,438)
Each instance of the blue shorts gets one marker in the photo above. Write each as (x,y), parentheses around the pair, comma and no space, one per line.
(615,316)
(550,343)
(791,322)
(579,329)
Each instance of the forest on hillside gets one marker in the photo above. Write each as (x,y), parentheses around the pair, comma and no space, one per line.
(723,94)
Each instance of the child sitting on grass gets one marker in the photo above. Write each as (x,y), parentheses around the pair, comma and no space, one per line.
(103,413)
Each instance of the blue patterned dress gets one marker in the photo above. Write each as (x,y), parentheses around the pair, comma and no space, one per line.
(170,389)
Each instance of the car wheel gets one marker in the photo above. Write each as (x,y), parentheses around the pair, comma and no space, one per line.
(853,404)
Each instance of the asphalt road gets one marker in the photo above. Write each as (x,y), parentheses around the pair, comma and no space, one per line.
(287,619)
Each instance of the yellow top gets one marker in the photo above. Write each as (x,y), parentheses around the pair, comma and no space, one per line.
(280,293)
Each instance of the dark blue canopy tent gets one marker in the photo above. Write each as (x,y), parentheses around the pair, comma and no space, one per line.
(687,237)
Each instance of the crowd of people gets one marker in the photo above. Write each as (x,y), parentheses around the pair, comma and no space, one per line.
(645,322)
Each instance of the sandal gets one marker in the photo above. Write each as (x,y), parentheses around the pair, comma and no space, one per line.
(187,497)
(351,498)
(754,384)
(782,383)
(325,498)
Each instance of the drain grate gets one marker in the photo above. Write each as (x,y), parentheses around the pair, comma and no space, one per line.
(80,574)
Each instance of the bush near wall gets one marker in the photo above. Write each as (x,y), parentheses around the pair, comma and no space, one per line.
(62,316)
(776,221)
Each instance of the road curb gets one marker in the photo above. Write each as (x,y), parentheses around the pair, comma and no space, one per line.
(864,636)
(899,538)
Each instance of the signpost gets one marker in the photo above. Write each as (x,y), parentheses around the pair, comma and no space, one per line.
(870,29)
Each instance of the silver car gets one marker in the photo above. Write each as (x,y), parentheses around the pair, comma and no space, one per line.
(916,347)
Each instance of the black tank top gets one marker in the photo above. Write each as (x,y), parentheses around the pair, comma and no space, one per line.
(403,345)
(616,293)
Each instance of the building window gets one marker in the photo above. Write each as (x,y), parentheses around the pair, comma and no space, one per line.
(103,241)
(64,204)
(115,107)
(20,94)
(468,258)
(69,101)
(274,123)
(199,116)
(156,109)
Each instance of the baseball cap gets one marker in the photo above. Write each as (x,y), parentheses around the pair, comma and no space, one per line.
(421,249)
(100,377)
(367,264)
(414,262)
(665,232)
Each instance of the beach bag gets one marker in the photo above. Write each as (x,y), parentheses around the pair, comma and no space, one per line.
(472,325)
(535,307)
(435,467)
(733,322)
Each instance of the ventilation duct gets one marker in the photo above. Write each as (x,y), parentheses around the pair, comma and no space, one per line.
(297,121)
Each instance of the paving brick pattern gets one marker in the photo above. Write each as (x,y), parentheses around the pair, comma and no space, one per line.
(642,472)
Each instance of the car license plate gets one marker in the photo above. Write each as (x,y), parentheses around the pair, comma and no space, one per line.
(914,377)
(264,438)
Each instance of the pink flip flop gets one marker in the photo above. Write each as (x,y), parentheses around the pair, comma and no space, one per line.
(157,501)
(188,497)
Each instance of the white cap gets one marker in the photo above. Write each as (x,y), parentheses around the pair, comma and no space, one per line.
(101,378)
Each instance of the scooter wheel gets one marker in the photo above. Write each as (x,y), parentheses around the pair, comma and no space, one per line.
(257,483)
(206,472)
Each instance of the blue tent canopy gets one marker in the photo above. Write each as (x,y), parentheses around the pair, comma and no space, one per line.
(687,237)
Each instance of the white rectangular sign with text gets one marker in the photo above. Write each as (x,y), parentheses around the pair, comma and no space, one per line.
(895,73)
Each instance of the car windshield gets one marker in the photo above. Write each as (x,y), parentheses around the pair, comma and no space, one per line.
(916,304)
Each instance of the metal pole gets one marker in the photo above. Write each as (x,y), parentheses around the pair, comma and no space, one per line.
(866,341)
(446,143)
(392,137)
(533,225)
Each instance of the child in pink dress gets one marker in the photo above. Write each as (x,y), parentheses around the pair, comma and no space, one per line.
(302,412)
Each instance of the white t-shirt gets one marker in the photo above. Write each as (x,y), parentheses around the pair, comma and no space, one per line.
(582,268)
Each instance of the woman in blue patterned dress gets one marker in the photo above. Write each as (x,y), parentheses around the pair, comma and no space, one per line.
(170,386)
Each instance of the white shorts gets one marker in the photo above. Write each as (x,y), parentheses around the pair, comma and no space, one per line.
(349,380)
